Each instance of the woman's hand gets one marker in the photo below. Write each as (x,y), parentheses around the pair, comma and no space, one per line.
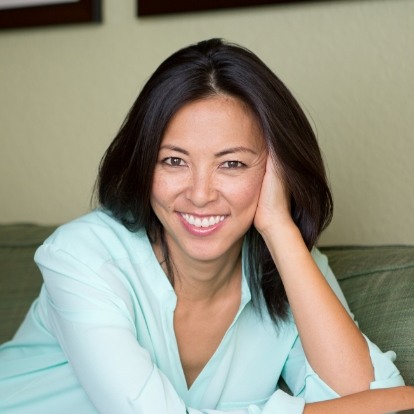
(273,208)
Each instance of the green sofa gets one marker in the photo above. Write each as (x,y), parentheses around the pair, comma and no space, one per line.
(378,282)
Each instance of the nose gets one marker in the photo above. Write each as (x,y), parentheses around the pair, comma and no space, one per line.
(201,188)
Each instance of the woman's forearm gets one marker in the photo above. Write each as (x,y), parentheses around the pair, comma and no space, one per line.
(333,344)
(380,401)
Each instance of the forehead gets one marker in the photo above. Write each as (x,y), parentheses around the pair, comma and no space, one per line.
(218,119)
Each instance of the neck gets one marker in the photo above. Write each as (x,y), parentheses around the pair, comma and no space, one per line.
(207,283)
(203,281)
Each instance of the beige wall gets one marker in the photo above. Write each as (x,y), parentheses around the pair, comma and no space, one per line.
(65,90)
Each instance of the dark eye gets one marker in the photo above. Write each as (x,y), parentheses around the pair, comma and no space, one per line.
(174,161)
(233,164)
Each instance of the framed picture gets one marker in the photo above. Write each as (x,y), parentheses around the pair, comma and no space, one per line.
(152,7)
(24,13)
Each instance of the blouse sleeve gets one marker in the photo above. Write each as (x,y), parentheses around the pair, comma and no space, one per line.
(304,382)
(97,334)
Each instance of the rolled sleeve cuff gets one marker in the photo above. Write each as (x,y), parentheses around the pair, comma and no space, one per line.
(386,374)
(314,388)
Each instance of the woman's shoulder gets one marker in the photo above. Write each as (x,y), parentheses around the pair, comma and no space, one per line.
(95,238)
(320,259)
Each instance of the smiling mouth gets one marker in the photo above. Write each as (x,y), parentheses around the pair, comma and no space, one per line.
(202,222)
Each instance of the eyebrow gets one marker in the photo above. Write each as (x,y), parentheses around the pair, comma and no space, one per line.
(234,150)
(219,154)
(174,148)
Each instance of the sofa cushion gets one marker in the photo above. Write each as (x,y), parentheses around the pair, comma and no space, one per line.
(378,283)
(20,279)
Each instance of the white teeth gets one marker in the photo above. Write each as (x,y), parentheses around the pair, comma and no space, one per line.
(204,222)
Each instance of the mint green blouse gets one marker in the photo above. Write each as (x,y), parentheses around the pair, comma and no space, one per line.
(100,339)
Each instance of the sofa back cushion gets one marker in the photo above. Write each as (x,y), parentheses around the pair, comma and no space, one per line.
(20,279)
(378,283)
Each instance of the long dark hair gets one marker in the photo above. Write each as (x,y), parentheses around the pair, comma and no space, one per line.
(206,69)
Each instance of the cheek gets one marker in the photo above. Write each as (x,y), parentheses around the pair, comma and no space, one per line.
(159,191)
(162,184)
(246,194)
(165,190)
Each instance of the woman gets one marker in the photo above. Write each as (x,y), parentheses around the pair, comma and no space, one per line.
(196,286)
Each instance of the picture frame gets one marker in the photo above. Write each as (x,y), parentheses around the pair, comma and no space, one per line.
(155,7)
(29,13)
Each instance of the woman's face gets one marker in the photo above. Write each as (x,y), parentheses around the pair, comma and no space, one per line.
(208,178)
